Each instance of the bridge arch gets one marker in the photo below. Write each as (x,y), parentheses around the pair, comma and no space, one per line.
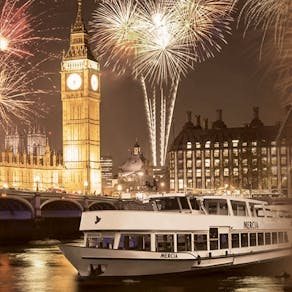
(101,206)
(15,208)
(61,208)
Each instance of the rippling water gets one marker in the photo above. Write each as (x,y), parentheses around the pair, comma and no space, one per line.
(40,266)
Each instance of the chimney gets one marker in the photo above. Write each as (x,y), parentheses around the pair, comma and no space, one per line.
(189,116)
(206,122)
(198,117)
(219,114)
(256,112)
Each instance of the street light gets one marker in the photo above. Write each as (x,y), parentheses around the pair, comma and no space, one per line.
(119,188)
(140,175)
(37,180)
(85,187)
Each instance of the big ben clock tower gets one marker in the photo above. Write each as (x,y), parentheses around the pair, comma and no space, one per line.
(80,93)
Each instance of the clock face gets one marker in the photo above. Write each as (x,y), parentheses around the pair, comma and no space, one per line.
(74,81)
(94,82)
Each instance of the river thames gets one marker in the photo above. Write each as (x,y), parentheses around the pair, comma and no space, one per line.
(40,266)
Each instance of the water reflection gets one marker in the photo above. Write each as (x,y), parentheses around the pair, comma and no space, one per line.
(36,269)
(42,267)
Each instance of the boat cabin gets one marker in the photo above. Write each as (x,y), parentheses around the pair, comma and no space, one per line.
(217,205)
(219,237)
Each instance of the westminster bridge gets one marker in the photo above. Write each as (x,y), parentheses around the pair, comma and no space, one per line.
(23,205)
(26,216)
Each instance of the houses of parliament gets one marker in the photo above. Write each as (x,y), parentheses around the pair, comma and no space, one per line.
(28,162)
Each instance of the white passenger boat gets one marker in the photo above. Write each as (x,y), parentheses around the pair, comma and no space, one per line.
(181,234)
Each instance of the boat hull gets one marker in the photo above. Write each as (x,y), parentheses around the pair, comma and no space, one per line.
(120,263)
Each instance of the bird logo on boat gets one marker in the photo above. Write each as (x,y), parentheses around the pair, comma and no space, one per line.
(97,219)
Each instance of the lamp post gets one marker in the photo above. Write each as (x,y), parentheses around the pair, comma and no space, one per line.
(162,185)
(119,189)
(85,184)
(140,175)
(37,180)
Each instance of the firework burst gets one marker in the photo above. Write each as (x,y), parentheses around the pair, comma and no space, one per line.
(162,53)
(273,18)
(115,35)
(16,28)
(160,41)
(20,30)
(269,16)
(17,100)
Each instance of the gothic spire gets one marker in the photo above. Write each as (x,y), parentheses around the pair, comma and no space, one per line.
(79,44)
(78,26)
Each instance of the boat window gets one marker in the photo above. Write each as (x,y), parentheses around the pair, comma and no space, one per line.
(252,239)
(261,238)
(211,206)
(167,204)
(267,238)
(260,212)
(224,241)
(184,242)
(269,213)
(223,208)
(135,242)
(239,208)
(244,239)
(216,207)
(281,237)
(200,241)
(164,242)
(252,209)
(274,238)
(184,203)
(235,240)
(195,204)
(213,233)
(100,241)
(286,237)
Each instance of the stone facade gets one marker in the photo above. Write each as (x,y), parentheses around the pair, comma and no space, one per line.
(250,158)
(78,169)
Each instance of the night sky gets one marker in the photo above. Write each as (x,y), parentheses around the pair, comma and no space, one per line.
(231,81)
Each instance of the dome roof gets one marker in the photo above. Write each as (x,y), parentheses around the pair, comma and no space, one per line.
(132,164)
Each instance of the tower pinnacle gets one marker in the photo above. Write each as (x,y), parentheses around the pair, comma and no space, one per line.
(79,45)
(79,26)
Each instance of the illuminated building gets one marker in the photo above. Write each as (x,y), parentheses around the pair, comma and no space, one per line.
(26,164)
(136,173)
(80,93)
(38,168)
(252,158)
(106,172)
(14,141)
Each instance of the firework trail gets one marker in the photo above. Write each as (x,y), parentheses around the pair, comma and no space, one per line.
(171,105)
(159,42)
(150,110)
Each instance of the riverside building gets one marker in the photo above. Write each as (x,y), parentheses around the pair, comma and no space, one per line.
(252,159)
